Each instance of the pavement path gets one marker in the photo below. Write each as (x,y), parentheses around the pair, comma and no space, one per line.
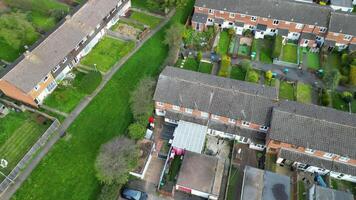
(53,110)
(75,113)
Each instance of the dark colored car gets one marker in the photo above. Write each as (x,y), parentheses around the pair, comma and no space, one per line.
(132,194)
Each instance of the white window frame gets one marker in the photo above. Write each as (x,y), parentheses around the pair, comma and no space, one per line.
(275,22)
(188,110)
(160,104)
(200,8)
(299,26)
(210,20)
(322,29)
(232,15)
(310,151)
(243,15)
(177,108)
(56,68)
(328,155)
(216,117)
(306,41)
(232,121)
(344,159)
(36,88)
(65,60)
(211,11)
(245,123)
(347,37)
(45,78)
(253,18)
(204,114)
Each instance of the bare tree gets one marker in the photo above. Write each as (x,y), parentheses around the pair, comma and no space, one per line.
(115,160)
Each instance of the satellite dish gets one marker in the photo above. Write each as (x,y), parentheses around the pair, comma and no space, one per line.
(3,163)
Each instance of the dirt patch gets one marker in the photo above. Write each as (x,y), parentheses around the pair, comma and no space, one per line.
(125,29)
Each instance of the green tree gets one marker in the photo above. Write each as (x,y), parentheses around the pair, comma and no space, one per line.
(173,39)
(347,96)
(115,160)
(325,98)
(252,76)
(269,75)
(331,78)
(137,131)
(199,56)
(225,66)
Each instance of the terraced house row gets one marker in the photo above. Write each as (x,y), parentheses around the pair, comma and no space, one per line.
(311,24)
(309,137)
(36,73)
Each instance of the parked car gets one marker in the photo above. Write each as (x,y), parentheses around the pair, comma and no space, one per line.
(132,194)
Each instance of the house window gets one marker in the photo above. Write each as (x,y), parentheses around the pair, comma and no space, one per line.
(263,128)
(204,114)
(232,121)
(232,15)
(347,37)
(344,159)
(299,26)
(295,34)
(245,123)
(215,117)
(91,33)
(311,151)
(55,69)
(200,8)
(230,23)
(328,155)
(273,30)
(210,20)
(64,60)
(160,103)
(176,108)
(306,41)
(211,11)
(322,30)
(253,18)
(98,26)
(188,110)
(45,78)
(275,22)
(318,38)
(36,88)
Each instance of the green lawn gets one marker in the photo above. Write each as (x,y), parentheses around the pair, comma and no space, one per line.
(234,177)
(263,49)
(205,67)
(244,50)
(18,132)
(313,61)
(343,185)
(66,98)
(301,190)
(290,53)
(286,91)
(67,172)
(333,60)
(106,53)
(191,64)
(238,73)
(174,168)
(143,18)
(42,22)
(304,93)
(224,42)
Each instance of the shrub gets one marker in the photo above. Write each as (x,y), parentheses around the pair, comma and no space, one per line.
(246,65)
(199,56)
(109,192)
(248,33)
(347,96)
(136,131)
(231,31)
(353,74)
(225,66)
(90,82)
(269,75)
(325,98)
(277,46)
(252,76)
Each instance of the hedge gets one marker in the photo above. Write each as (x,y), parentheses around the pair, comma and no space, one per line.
(90,82)
(353,74)
(225,66)
(277,46)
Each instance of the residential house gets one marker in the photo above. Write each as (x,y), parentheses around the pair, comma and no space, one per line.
(265,17)
(314,138)
(36,73)
(204,182)
(342,30)
(317,192)
(310,137)
(342,5)
(265,185)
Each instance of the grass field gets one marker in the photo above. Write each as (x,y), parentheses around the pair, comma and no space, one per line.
(67,172)
(301,190)
(290,53)
(286,91)
(224,42)
(333,60)
(234,177)
(263,49)
(304,93)
(238,73)
(66,98)
(191,64)
(143,18)
(313,61)
(106,53)
(205,67)
(18,132)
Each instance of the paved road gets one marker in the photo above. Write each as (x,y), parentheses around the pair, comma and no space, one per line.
(74,114)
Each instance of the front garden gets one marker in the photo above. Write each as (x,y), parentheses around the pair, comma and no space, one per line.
(224,42)
(145,19)
(304,93)
(286,90)
(106,53)
(289,53)
(205,67)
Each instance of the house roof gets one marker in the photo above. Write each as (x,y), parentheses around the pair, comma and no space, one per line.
(218,21)
(200,17)
(341,3)
(201,172)
(314,127)
(352,47)
(239,24)
(261,27)
(308,36)
(329,43)
(324,193)
(275,9)
(341,22)
(283,32)
(264,185)
(35,65)
(189,136)
(325,163)
(216,95)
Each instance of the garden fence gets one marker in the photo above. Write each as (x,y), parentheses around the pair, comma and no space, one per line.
(28,156)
